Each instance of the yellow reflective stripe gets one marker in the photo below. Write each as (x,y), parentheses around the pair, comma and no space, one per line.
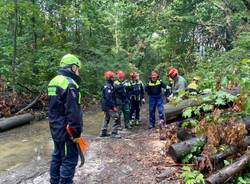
(60,81)
(79,97)
(117,82)
(65,149)
(77,86)
(158,82)
(51,91)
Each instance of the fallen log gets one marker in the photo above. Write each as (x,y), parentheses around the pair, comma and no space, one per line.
(246,121)
(30,105)
(184,132)
(12,122)
(179,150)
(224,174)
(174,111)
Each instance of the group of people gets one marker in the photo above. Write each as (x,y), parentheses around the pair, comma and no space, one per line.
(119,96)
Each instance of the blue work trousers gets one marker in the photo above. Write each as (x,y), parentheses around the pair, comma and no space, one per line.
(155,101)
(63,163)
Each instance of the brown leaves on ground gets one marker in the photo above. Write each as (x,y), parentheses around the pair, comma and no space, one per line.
(235,134)
(12,102)
(203,163)
(7,104)
(230,133)
(171,135)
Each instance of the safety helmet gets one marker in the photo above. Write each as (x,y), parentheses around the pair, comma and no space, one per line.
(132,74)
(69,60)
(154,75)
(109,74)
(196,78)
(120,74)
(172,72)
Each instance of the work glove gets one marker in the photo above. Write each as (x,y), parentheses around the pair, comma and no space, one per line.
(115,109)
(143,101)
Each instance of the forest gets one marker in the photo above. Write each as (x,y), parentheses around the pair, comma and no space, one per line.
(205,38)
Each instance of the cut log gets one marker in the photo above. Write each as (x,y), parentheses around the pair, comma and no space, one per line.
(184,133)
(179,150)
(12,122)
(222,175)
(246,121)
(174,111)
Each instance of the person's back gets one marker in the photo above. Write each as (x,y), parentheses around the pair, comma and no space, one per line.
(64,110)
(179,84)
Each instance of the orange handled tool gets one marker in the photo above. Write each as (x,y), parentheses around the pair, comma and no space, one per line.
(80,143)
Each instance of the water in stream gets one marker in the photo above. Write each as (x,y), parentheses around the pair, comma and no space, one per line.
(32,142)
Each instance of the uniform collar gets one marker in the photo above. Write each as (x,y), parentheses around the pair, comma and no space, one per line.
(67,73)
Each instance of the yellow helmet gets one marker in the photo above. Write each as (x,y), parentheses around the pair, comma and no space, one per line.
(70,59)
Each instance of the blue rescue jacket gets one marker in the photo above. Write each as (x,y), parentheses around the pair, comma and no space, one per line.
(64,105)
(153,88)
(121,93)
(136,90)
(108,96)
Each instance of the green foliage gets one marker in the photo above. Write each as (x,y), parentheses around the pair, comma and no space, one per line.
(245,179)
(222,97)
(191,176)
(187,157)
(141,35)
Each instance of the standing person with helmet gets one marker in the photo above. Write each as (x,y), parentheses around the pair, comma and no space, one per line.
(179,82)
(122,99)
(154,90)
(109,106)
(136,97)
(64,110)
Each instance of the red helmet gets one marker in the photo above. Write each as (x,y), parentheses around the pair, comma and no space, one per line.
(109,74)
(154,75)
(120,74)
(172,72)
(133,74)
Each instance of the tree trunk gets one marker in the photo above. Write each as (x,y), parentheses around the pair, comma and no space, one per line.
(222,175)
(14,48)
(8,123)
(179,150)
(174,111)
(33,20)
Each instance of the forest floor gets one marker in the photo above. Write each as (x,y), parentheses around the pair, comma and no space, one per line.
(139,157)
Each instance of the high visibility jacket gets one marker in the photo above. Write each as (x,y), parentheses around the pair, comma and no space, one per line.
(136,90)
(64,105)
(179,84)
(121,93)
(154,88)
(193,85)
(108,96)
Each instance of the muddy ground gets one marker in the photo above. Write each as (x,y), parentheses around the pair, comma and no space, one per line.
(139,157)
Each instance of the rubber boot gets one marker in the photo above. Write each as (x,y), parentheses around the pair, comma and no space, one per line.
(104,133)
(128,126)
(137,123)
(116,136)
(131,122)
